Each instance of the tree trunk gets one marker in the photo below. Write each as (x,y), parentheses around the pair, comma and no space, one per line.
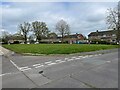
(62,38)
(25,39)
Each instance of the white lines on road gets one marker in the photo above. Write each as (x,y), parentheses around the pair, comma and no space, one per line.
(61,61)
(58,60)
(14,64)
(20,68)
(23,67)
(48,62)
(5,74)
(51,63)
(39,66)
(70,59)
(26,69)
(36,65)
(108,61)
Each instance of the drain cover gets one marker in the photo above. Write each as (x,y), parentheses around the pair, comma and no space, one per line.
(40,72)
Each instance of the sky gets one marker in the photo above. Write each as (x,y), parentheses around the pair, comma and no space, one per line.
(82,17)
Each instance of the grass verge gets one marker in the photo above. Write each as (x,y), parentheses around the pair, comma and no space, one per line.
(56,48)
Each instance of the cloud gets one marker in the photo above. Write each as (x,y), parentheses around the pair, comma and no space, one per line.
(61,0)
(83,17)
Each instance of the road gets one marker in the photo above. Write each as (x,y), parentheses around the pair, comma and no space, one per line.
(69,71)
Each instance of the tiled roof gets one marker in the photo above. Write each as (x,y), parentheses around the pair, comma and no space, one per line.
(109,32)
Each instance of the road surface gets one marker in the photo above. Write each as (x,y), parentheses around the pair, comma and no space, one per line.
(69,71)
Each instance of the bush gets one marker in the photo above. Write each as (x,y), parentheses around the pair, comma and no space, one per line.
(16,42)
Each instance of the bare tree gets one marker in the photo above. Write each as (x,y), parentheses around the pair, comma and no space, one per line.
(40,29)
(63,28)
(52,36)
(25,28)
(5,36)
(113,20)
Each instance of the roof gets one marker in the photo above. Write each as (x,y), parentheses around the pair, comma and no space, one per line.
(74,36)
(102,33)
(16,38)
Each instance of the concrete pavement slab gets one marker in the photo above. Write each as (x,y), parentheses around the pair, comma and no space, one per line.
(65,82)
(98,79)
(17,80)
(36,77)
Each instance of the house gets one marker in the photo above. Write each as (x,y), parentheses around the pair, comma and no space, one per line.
(73,38)
(16,39)
(106,36)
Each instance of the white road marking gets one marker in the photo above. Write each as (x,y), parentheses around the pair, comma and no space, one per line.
(36,65)
(58,60)
(48,62)
(70,59)
(39,66)
(96,55)
(51,63)
(80,56)
(62,61)
(83,57)
(5,74)
(14,64)
(77,58)
(66,58)
(26,69)
(108,61)
(73,57)
(23,67)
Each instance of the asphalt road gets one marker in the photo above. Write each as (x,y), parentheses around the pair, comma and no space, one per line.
(69,71)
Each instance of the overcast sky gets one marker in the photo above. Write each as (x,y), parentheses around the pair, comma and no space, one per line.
(83,17)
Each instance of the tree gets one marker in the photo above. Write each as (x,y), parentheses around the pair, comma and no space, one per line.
(31,38)
(5,36)
(113,19)
(40,29)
(52,36)
(63,28)
(25,28)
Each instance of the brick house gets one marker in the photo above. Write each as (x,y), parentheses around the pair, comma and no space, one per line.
(73,38)
(108,36)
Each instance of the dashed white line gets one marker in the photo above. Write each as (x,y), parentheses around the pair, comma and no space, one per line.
(51,63)
(66,58)
(58,60)
(108,61)
(5,74)
(73,57)
(36,65)
(48,62)
(26,69)
(23,67)
(70,59)
(62,61)
(80,56)
(96,55)
(39,66)
(77,58)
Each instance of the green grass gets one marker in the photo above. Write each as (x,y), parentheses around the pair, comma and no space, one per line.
(56,48)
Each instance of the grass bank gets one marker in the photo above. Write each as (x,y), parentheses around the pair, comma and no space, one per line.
(56,48)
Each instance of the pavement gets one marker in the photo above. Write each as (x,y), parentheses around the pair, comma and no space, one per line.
(85,70)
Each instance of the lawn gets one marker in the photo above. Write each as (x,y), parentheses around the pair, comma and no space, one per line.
(56,48)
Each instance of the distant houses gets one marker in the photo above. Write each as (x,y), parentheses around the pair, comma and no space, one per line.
(72,39)
(98,37)
(104,37)
(16,39)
